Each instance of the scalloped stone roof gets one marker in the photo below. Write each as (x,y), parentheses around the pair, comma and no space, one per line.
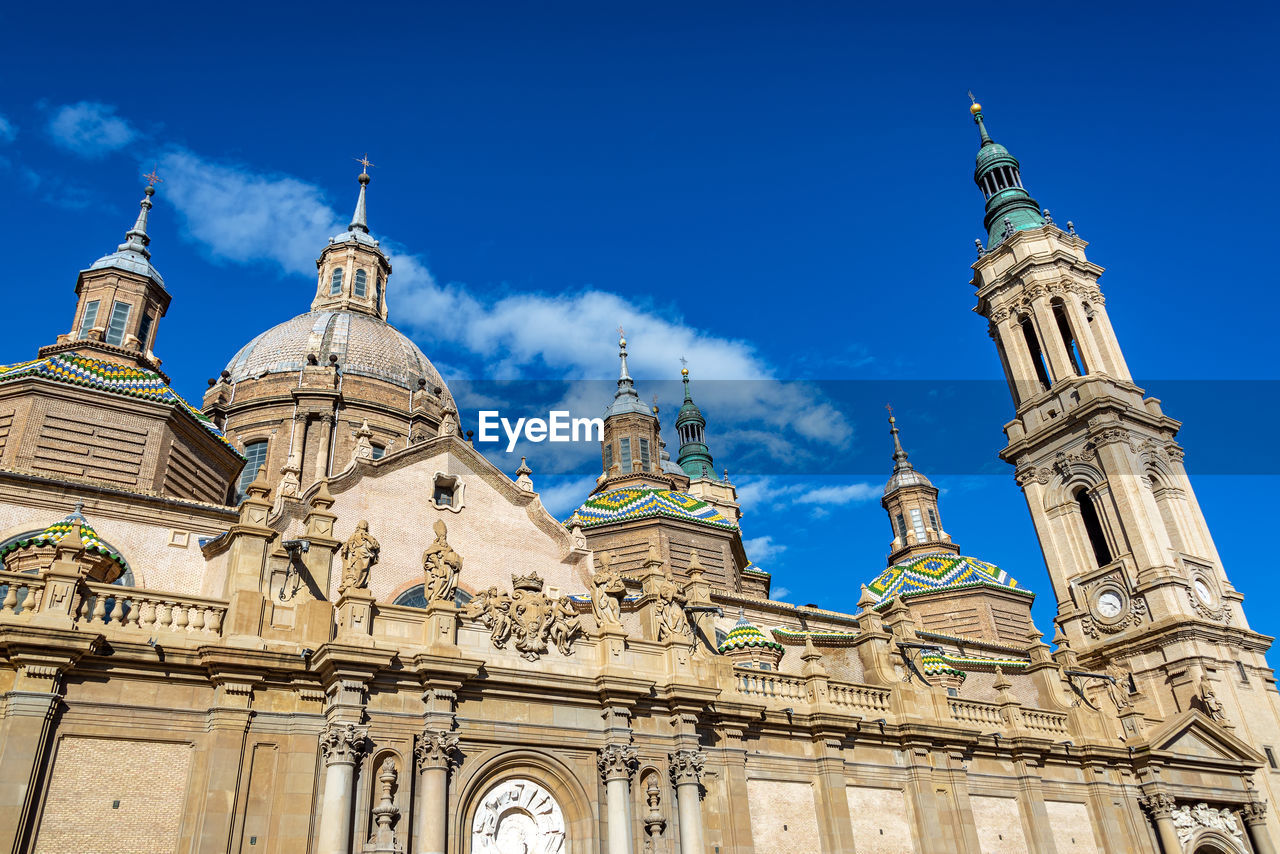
(365,346)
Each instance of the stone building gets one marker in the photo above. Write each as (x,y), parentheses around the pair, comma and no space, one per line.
(310,617)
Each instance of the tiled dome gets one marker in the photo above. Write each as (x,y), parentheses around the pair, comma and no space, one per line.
(55,532)
(929,573)
(744,635)
(644,503)
(365,346)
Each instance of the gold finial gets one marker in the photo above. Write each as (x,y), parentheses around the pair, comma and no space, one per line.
(365,162)
(974,107)
(684,372)
(153,178)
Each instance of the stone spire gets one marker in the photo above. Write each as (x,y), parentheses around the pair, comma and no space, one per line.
(360,219)
(1009,207)
(137,240)
(691,427)
(911,501)
(625,399)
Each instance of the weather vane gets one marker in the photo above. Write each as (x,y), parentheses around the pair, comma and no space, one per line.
(621,333)
(971,98)
(153,178)
(364,161)
(684,363)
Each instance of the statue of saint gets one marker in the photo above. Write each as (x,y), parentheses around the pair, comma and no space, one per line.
(440,566)
(1209,700)
(607,591)
(671,617)
(1118,686)
(359,553)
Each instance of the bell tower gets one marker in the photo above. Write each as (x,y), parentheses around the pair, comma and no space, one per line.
(1135,573)
(353,270)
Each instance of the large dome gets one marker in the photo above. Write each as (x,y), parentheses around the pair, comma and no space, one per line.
(365,346)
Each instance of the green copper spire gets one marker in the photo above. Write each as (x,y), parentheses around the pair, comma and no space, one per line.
(1009,207)
(691,427)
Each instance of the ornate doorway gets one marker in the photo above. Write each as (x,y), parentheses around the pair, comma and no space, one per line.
(518,817)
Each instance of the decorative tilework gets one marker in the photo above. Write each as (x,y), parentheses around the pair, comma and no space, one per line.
(55,532)
(820,638)
(75,369)
(743,636)
(929,573)
(939,661)
(643,503)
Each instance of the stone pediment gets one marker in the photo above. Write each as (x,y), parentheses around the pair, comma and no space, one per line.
(1192,735)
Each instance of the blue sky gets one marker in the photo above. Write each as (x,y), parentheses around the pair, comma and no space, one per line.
(775,194)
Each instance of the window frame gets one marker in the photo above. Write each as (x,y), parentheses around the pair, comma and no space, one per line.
(336,281)
(87,320)
(250,470)
(360,284)
(124,323)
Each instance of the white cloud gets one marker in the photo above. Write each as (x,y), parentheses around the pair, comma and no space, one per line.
(243,216)
(779,493)
(851,493)
(779,593)
(561,494)
(762,549)
(90,129)
(8,130)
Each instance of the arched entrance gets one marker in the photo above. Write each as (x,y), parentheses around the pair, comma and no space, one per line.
(518,816)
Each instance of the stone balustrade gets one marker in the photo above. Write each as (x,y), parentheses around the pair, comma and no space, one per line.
(22,593)
(974,712)
(769,684)
(860,697)
(148,610)
(1039,720)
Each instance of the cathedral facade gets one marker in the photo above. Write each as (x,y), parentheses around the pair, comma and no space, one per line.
(308,616)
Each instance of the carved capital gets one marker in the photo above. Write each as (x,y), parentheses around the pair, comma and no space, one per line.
(436,750)
(686,766)
(617,762)
(343,743)
(1254,812)
(1158,805)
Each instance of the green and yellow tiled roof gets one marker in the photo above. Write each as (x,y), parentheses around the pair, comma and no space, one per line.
(744,635)
(74,369)
(619,505)
(55,532)
(752,569)
(933,572)
(938,661)
(827,637)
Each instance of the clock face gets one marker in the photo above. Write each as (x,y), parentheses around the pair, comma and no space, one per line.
(1109,604)
(1203,591)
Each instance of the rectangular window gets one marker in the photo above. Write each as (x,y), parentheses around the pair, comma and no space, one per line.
(933,520)
(1244,674)
(1271,757)
(119,320)
(608,458)
(90,317)
(379,452)
(255,454)
(644,453)
(144,329)
(902,527)
(917,524)
(444,496)
(624,447)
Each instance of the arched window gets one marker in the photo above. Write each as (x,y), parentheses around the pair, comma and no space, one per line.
(255,458)
(415,597)
(358,288)
(377,293)
(1037,357)
(335,284)
(1068,338)
(1093,527)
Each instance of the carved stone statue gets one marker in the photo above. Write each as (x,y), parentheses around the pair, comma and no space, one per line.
(359,554)
(1118,687)
(1209,700)
(565,625)
(527,617)
(441,565)
(672,621)
(607,592)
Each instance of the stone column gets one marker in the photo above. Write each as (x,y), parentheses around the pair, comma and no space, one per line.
(1254,815)
(435,753)
(1160,807)
(341,745)
(686,771)
(617,763)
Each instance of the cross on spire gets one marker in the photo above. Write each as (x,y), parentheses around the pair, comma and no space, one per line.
(365,162)
(684,363)
(152,177)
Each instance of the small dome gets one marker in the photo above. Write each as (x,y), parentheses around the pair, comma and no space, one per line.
(744,636)
(51,535)
(628,503)
(906,477)
(993,151)
(933,572)
(130,260)
(365,346)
